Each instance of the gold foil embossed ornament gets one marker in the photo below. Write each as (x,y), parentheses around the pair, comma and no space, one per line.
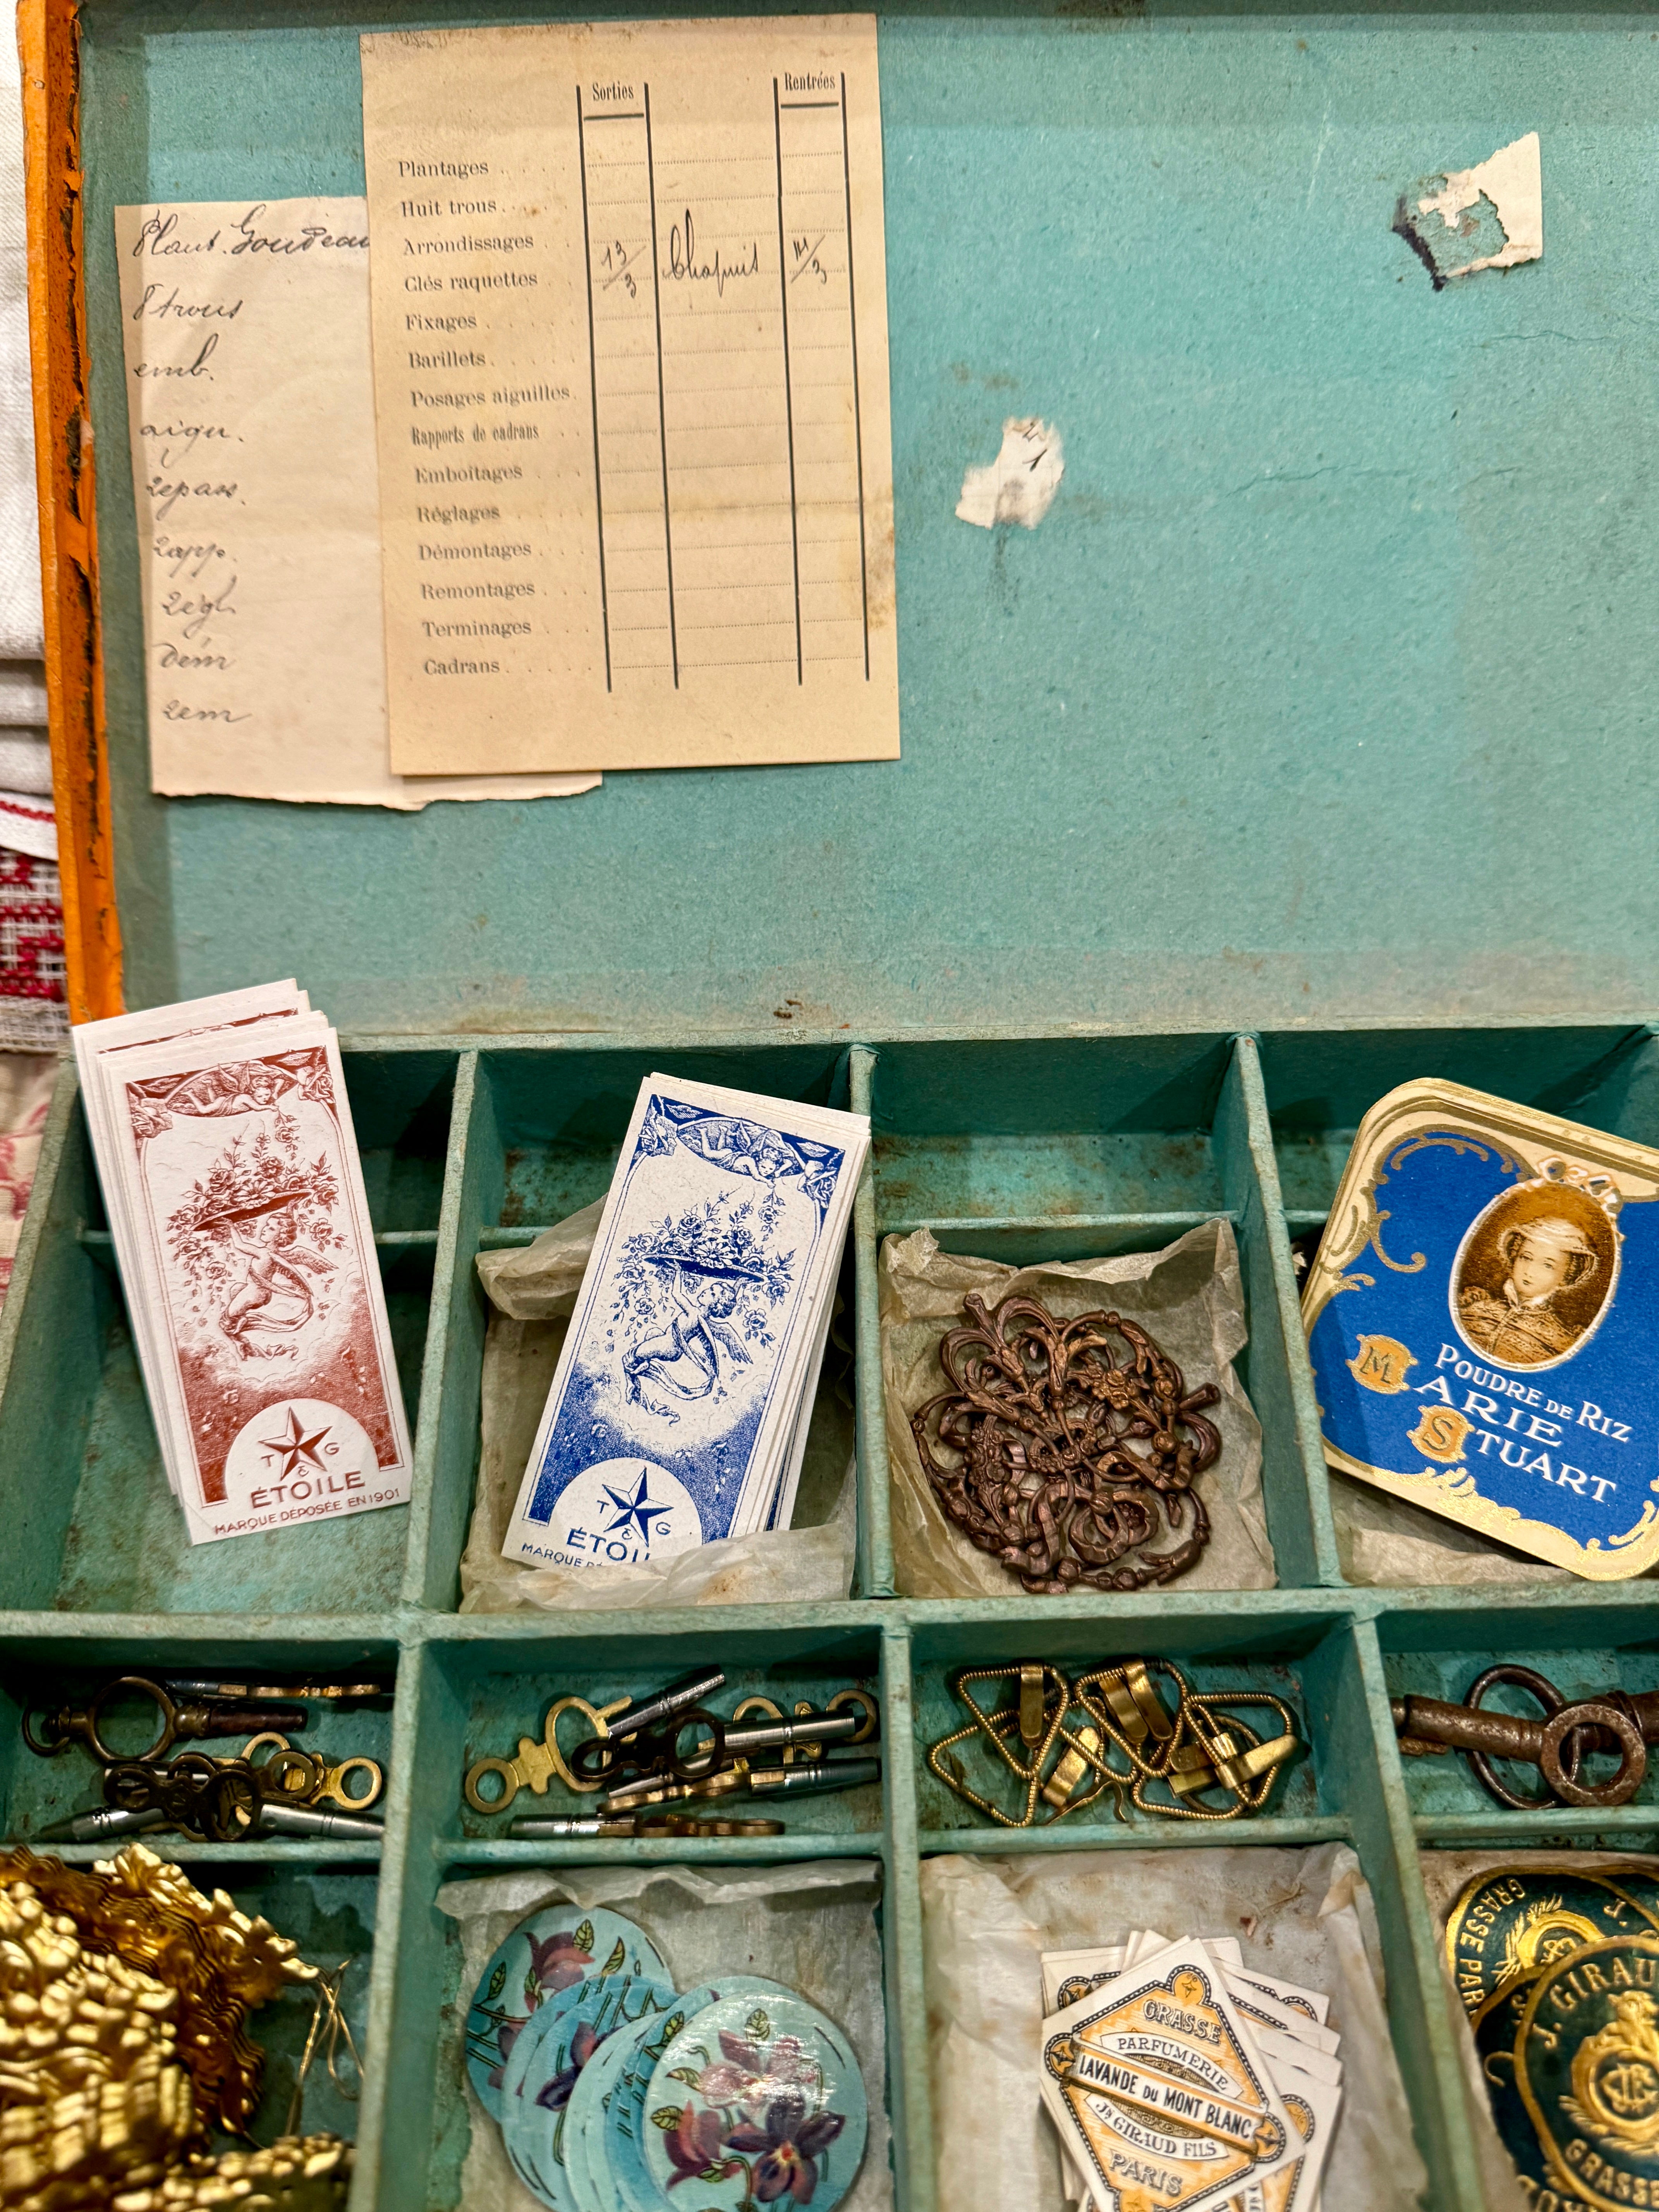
(94,2092)
(296,2173)
(1559,1971)
(1587,2068)
(1509,1923)
(124,1999)
(1068,1450)
(222,1962)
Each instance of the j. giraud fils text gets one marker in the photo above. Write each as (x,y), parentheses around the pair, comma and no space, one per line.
(1523,1439)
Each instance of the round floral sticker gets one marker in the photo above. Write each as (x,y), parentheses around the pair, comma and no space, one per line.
(553,1950)
(536,2112)
(757,2099)
(625,2129)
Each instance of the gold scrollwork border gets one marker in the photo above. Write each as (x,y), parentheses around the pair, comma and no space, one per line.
(1426,1113)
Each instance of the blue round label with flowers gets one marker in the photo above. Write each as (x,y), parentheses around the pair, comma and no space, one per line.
(756,2100)
(535,2121)
(586,2170)
(556,1948)
(623,2154)
(519,2060)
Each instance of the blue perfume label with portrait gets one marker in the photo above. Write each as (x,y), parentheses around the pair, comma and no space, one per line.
(1493,1345)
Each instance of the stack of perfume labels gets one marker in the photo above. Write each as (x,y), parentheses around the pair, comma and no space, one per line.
(611,2088)
(1177,2076)
(230,1174)
(679,1409)
(1557,1966)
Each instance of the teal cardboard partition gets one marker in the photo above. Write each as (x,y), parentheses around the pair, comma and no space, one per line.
(1321,690)
(1301,748)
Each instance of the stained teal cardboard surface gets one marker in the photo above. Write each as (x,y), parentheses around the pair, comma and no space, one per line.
(1324,686)
(1029,1145)
(1318,699)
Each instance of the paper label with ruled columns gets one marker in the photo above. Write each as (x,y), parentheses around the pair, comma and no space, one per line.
(630,360)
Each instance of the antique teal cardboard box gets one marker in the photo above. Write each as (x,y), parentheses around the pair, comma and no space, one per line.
(1301,751)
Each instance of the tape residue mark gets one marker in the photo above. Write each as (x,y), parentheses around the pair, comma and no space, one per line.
(1491,216)
(1020,484)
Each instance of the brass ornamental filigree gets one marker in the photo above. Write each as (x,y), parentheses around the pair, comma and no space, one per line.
(1063,1457)
(123,1996)
(220,1962)
(296,2173)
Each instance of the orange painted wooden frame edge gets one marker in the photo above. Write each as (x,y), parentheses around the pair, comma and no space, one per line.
(48,40)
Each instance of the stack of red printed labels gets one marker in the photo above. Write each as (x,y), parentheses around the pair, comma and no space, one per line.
(235,1198)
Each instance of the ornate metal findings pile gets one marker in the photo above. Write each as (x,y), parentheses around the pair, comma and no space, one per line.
(1557,1744)
(1062,1458)
(1057,1737)
(1559,1971)
(611,2088)
(667,1749)
(124,1999)
(285,1793)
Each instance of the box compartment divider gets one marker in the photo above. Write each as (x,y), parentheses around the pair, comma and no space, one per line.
(875,1536)
(446,1439)
(1354,1698)
(908,2050)
(1281,1381)
(53,1329)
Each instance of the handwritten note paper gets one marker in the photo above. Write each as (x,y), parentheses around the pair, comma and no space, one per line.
(252,409)
(630,358)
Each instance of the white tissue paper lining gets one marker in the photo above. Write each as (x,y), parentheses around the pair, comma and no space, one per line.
(1382,1540)
(532,1292)
(1188,1296)
(810,1927)
(1305,1916)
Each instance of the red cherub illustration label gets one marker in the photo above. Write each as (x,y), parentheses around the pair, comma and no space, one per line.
(286,1404)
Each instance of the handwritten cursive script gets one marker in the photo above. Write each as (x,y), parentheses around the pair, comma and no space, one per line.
(252,239)
(684,266)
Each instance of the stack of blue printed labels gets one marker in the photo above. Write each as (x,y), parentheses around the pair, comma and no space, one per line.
(679,1409)
(611,2088)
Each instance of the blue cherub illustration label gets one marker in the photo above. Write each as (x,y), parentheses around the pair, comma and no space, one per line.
(1483,1322)
(674,1404)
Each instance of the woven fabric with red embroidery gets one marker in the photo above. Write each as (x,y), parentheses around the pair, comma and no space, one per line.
(31,929)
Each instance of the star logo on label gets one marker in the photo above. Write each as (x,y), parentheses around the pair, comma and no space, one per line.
(638,1510)
(296,1448)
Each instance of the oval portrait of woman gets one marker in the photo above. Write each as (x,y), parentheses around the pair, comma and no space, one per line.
(1533,1275)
